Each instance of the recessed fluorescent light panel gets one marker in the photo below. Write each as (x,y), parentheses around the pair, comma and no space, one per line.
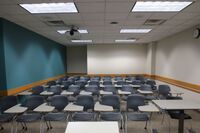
(135,30)
(128,40)
(160,6)
(62,31)
(51,7)
(80,31)
(83,31)
(81,41)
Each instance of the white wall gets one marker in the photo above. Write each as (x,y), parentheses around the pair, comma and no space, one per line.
(116,59)
(77,59)
(150,59)
(178,57)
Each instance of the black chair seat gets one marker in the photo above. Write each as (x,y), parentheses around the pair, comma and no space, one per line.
(154,131)
(111,116)
(72,98)
(137,116)
(55,117)
(150,97)
(83,116)
(30,117)
(124,98)
(176,115)
(6,117)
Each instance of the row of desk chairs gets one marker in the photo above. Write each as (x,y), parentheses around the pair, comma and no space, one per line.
(98,78)
(128,77)
(88,114)
(6,103)
(93,89)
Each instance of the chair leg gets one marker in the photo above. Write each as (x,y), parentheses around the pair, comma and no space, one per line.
(12,125)
(125,123)
(121,124)
(22,125)
(169,125)
(25,126)
(16,127)
(163,118)
(146,125)
(1,127)
(50,125)
(47,125)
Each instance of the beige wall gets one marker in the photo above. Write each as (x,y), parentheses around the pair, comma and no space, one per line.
(178,57)
(116,59)
(77,59)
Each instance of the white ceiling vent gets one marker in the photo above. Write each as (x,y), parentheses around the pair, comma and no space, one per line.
(56,23)
(152,22)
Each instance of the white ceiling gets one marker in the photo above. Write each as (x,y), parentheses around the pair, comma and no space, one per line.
(96,15)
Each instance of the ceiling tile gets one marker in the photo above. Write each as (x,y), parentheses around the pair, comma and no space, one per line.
(75,23)
(70,16)
(185,16)
(194,7)
(116,16)
(91,7)
(93,16)
(162,15)
(31,1)
(6,2)
(25,18)
(13,9)
(134,23)
(89,0)
(117,7)
(139,16)
(93,23)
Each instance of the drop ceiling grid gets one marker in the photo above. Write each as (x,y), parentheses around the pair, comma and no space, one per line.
(92,17)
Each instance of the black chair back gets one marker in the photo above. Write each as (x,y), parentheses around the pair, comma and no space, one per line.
(128,88)
(135,100)
(51,83)
(93,88)
(74,88)
(110,88)
(86,101)
(145,87)
(55,89)
(7,102)
(111,100)
(59,102)
(33,101)
(37,90)
(164,90)
(107,82)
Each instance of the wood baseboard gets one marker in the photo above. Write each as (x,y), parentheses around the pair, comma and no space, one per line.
(182,84)
(27,87)
(113,75)
(186,85)
(72,74)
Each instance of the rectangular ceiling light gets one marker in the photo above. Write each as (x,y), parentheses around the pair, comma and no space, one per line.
(81,41)
(128,40)
(135,30)
(160,6)
(51,7)
(82,31)
(62,31)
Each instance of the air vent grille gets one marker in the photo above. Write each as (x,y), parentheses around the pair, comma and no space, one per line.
(56,23)
(152,22)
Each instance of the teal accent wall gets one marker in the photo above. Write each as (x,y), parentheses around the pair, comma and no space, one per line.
(30,57)
(2,60)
